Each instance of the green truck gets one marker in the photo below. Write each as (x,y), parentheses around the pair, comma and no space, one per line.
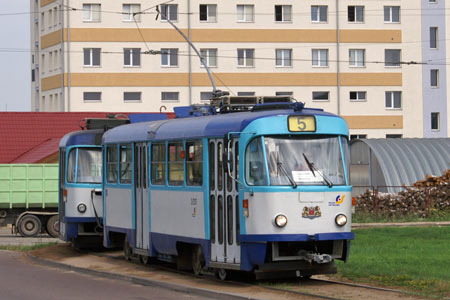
(29,198)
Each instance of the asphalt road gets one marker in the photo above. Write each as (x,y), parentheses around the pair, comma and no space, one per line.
(22,280)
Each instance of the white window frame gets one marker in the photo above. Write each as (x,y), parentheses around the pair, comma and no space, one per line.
(210,57)
(320,53)
(91,57)
(315,18)
(392,98)
(134,100)
(286,14)
(285,58)
(390,9)
(88,8)
(398,65)
(211,14)
(204,95)
(245,58)
(435,37)
(356,62)
(355,12)
(173,93)
(131,53)
(321,100)
(167,52)
(246,16)
(169,9)
(92,101)
(129,10)
(436,71)
(358,98)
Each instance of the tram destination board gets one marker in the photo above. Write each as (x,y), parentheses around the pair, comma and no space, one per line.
(302,123)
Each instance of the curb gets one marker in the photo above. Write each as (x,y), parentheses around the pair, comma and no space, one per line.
(405,224)
(141,281)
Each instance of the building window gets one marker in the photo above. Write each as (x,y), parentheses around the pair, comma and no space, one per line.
(50,18)
(319,13)
(92,96)
(392,14)
(283,57)
(206,96)
(434,78)
(320,57)
(283,13)
(246,94)
(209,56)
(91,57)
(433,37)
(432,1)
(33,76)
(320,96)
(169,12)
(358,136)
(357,57)
(42,21)
(245,13)
(392,58)
(91,12)
(170,96)
(356,14)
(245,57)
(394,136)
(393,100)
(358,96)
(132,96)
(288,94)
(130,12)
(208,13)
(435,121)
(55,16)
(169,57)
(132,57)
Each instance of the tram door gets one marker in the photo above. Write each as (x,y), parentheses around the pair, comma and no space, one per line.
(141,195)
(223,205)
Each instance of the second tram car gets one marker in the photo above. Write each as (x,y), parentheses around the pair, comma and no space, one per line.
(258,184)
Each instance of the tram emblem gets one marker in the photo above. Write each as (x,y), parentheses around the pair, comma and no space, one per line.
(311,212)
(339,200)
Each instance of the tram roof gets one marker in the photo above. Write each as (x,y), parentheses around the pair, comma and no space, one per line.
(82,137)
(196,127)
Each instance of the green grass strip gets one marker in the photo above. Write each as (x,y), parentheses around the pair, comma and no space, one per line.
(26,248)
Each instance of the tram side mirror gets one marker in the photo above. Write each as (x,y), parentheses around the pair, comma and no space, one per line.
(256,171)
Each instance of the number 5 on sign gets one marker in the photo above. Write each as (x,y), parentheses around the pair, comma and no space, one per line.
(302,123)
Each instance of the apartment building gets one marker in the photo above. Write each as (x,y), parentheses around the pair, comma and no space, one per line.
(379,64)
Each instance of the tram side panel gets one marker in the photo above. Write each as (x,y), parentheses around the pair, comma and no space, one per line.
(118,213)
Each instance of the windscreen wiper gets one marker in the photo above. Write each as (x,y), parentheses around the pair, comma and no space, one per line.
(281,167)
(313,168)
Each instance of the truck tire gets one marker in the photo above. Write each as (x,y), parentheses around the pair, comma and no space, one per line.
(29,225)
(53,226)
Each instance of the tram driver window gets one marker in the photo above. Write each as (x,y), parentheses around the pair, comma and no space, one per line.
(255,172)
(194,163)
(176,163)
(111,163)
(125,164)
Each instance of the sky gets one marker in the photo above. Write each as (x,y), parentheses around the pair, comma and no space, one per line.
(15,68)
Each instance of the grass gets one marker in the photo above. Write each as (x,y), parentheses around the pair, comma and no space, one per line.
(414,258)
(435,216)
(26,248)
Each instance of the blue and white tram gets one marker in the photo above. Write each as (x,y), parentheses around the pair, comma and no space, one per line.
(263,190)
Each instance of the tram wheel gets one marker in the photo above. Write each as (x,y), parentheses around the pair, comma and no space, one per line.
(127,252)
(198,260)
(30,225)
(53,226)
(222,274)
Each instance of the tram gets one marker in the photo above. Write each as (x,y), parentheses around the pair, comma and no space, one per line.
(255,184)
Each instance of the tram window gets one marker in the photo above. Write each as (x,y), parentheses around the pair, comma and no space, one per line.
(238,224)
(176,163)
(219,167)
(220,219)
(111,163)
(125,164)
(212,217)
(212,174)
(231,166)
(158,164)
(71,165)
(89,167)
(236,164)
(194,163)
(255,173)
(230,220)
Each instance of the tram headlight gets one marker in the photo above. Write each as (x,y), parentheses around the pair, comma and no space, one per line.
(82,208)
(341,220)
(281,220)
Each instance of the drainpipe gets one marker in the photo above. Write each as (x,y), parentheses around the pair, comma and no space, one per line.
(68,57)
(338,63)
(63,93)
(189,51)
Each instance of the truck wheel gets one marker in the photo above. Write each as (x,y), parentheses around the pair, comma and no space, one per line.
(53,226)
(29,225)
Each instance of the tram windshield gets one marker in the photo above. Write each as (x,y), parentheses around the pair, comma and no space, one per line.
(85,165)
(296,160)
